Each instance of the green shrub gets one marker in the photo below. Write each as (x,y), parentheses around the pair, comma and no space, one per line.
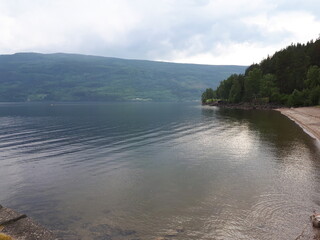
(315,96)
(296,99)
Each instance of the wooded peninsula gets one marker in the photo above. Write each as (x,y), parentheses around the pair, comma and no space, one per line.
(290,77)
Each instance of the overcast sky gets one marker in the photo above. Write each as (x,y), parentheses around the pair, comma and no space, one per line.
(193,31)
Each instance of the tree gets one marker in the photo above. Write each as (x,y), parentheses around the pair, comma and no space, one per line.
(268,88)
(252,84)
(296,99)
(224,88)
(313,77)
(291,76)
(315,95)
(208,94)
(236,91)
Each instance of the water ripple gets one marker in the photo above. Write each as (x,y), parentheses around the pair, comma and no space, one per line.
(211,174)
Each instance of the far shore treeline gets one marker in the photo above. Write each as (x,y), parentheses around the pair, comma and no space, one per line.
(290,77)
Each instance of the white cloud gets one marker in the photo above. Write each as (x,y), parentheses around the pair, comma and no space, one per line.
(200,31)
(230,53)
(65,23)
(300,26)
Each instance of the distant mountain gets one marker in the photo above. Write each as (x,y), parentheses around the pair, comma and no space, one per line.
(71,77)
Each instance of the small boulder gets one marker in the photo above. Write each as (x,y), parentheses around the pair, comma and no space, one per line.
(315,219)
(171,233)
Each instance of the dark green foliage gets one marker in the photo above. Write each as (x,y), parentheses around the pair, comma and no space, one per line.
(235,93)
(291,76)
(251,84)
(313,77)
(268,88)
(314,96)
(69,77)
(208,95)
(296,99)
(224,88)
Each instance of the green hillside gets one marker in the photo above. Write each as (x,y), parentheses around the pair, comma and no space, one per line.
(290,77)
(71,77)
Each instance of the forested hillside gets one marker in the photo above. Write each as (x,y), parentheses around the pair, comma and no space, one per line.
(291,77)
(70,77)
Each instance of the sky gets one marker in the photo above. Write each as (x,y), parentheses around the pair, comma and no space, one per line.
(237,32)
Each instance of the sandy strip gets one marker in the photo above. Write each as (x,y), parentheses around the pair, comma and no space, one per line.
(307,118)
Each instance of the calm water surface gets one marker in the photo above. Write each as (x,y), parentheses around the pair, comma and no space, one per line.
(142,171)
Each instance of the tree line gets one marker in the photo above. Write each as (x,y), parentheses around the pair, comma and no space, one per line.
(290,77)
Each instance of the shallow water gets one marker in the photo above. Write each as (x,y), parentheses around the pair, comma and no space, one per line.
(142,170)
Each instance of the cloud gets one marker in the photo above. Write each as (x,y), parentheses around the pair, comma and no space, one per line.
(298,25)
(198,31)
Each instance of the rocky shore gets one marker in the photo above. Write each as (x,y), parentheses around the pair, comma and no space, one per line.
(17,226)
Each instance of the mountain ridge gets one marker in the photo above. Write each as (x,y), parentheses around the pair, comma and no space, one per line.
(76,77)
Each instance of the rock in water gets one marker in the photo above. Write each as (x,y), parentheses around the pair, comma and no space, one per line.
(315,218)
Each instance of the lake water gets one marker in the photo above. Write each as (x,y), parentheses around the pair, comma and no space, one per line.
(146,171)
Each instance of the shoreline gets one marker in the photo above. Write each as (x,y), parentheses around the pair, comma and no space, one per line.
(244,105)
(17,226)
(308,118)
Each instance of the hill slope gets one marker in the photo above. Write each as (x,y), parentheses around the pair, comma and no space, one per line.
(71,77)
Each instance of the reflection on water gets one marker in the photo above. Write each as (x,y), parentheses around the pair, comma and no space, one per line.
(141,171)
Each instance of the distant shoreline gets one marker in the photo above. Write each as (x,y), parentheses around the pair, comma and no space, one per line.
(308,118)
